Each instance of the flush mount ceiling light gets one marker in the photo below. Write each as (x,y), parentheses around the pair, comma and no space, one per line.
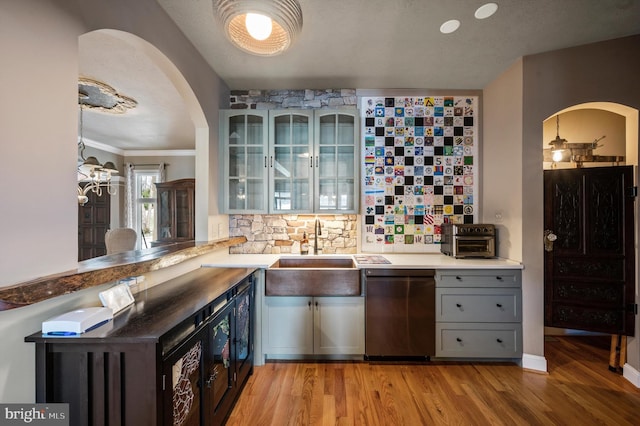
(264,28)
(486,10)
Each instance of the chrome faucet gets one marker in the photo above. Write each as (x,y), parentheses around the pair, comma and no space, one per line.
(318,231)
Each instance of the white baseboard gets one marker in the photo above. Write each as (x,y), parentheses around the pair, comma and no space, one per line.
(534,362)
(631,374)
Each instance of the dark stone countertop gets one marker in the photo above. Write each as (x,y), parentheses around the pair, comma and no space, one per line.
(103,269)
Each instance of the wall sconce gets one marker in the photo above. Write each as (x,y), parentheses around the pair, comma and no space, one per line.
(260,27)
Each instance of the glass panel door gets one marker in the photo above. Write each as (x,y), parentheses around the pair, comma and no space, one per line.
(183,371)
(219,379)
(183,210)
(244,331)
(245,139)
(337,165)
(291,161)
(165,216)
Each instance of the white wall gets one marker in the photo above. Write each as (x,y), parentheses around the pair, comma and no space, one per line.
(502,160)
(503,197)
(38,131)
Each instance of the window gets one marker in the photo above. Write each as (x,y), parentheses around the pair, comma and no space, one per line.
(144,206)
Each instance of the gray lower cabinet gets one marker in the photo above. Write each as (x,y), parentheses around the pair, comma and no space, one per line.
(300,326)
(479,313)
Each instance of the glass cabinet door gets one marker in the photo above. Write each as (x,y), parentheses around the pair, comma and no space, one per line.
(336,158)
(244,331)
(244,136)
(290,161)
(219,378)
(183,371)
(183,213)
(165,216)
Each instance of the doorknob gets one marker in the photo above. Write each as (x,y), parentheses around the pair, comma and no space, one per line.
(549,238)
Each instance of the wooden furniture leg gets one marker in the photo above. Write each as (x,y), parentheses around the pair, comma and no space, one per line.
(618,352)
(613,353)
(623,351)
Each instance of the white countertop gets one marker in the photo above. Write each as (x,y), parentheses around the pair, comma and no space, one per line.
(414,261)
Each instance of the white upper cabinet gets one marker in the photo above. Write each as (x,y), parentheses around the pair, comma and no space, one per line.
(290,161)
(336,161)
(290,156)
(244,138)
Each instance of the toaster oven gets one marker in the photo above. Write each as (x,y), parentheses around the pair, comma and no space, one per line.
(468,240)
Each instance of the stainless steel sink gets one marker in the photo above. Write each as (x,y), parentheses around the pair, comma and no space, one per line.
(313,276)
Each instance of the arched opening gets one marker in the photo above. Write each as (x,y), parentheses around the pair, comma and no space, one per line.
(614,126)
(168,121)
(613,130)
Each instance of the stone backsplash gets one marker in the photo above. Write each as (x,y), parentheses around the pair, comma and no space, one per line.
(275,234)
(300,99)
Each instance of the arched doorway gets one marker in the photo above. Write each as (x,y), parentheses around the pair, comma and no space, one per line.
(612,131)
(168,120)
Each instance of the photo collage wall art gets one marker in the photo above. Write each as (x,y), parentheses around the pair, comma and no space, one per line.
(419,169)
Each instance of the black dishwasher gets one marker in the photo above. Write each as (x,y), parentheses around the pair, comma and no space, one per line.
(400,313)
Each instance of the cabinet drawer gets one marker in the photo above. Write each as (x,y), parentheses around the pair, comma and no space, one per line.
(468,340)
(478,305)
(478,278)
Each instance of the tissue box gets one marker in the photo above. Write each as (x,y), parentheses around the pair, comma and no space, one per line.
(77,322)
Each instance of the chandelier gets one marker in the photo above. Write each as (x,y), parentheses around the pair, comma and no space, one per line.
(99,175)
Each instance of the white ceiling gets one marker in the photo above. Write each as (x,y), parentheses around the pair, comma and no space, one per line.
(158,122)
(346,44)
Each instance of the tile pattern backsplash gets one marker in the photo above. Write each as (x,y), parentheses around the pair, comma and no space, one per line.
(275,234)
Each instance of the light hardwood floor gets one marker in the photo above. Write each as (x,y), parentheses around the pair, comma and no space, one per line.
(579,390)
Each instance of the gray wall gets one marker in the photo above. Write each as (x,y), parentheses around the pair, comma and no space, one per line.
(606,71)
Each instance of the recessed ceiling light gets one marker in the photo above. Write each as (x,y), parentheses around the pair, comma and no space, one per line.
(449,26)
(486,10)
